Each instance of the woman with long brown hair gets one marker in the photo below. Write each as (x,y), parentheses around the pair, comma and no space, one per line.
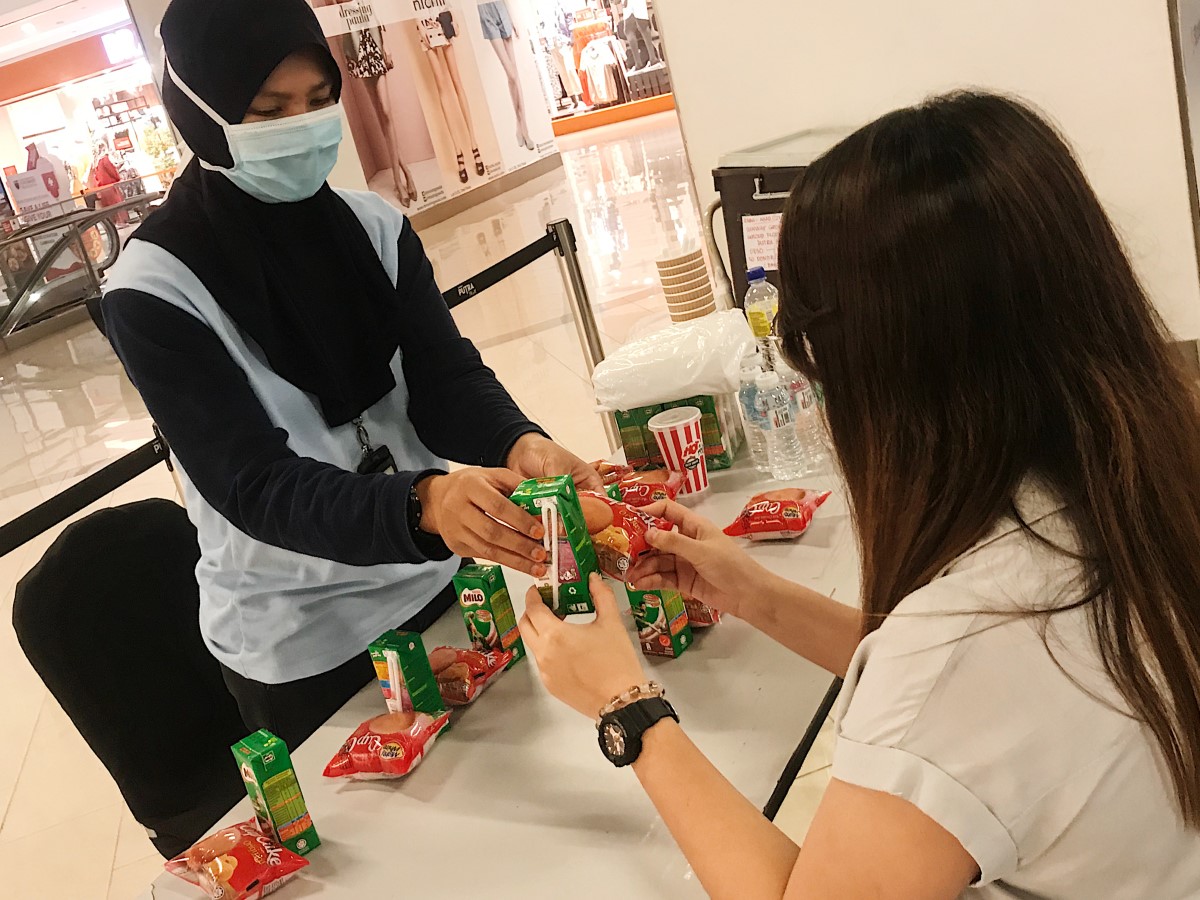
(1021,714)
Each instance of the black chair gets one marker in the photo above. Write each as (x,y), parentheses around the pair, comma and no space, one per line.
(109,619)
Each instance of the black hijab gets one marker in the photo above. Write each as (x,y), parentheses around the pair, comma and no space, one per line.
(303,280)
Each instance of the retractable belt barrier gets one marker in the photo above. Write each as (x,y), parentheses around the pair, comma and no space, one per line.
(510,265)
(24,528)
(559,237)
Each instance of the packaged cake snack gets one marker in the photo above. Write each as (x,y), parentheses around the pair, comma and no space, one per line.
(571,559)
(237,863)
(462,674)
(403,671)
(700,615)
(266,768)
(777,515)
(643,488)
(618,532)
(662,621)
(387,746)
(487,610)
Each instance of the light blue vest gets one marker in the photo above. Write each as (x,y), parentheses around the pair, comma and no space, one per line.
(270,614)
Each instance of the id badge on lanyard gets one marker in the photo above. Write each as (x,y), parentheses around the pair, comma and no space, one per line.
(375,460)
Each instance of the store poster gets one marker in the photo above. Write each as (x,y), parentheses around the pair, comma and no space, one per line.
(428,94)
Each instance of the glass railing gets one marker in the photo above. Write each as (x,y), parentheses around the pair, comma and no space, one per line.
(49,267)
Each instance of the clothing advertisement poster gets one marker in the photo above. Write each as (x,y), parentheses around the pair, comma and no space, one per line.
(501,39)
(435,94)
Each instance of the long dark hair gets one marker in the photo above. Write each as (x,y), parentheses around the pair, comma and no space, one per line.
(951,279)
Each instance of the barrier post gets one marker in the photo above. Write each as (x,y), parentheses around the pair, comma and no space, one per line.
(581,312)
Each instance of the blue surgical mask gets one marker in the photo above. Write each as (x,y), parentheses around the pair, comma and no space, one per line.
(278,160)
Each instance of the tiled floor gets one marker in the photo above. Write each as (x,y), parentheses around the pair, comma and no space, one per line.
(66,409)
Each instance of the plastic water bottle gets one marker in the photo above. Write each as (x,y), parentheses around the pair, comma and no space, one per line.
(762,304)
(752,419)
(805,412)
(784,452)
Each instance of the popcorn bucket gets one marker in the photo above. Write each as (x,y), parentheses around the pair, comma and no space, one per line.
(681,441)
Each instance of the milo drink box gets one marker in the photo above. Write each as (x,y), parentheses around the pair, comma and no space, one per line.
(487,610)
(279,806)
(641,450)
(576,556)
(662,621)
(402,667)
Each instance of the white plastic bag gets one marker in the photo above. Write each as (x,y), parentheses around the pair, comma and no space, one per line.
(687,359)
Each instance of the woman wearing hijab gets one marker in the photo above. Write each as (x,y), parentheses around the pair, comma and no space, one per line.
(291,343)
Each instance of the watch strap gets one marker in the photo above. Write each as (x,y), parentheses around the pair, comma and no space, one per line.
(634,721)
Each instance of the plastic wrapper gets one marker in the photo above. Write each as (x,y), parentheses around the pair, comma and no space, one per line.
(618,532)
(237,863)
(611,473)
(700,615)
(387,746)
(644,488)
(703,356)
(777,515)
(462,674)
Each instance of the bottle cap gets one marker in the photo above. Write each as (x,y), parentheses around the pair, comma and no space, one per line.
(767,381)
(758,273)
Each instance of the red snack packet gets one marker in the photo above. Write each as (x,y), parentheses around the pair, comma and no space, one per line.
(387,746)
(643,488)
(777,515)
(700,615)
(237,863)
(462,674)
(618,532)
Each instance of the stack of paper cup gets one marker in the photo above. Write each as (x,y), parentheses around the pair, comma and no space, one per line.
(682,444)
(687,286)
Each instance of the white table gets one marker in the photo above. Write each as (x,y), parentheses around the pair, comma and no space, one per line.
(516,799)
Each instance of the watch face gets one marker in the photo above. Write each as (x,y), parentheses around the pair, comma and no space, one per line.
(614,740)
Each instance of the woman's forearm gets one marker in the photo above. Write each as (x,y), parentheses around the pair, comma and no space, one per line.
(734,850)
(816,627)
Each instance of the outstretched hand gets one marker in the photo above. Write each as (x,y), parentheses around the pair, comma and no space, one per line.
(698,559)
(536,456)
(587,665)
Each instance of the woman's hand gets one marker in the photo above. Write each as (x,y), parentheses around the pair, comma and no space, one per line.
(584,666)
(535,456)
(697,559)
(471,512)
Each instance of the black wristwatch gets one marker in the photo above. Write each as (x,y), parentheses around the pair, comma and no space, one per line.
(415,511)
(621,730)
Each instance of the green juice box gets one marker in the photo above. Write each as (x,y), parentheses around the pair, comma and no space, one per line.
(576,556)
(279,806)
(641,449)
(487,610)
(402,667)
(662,621)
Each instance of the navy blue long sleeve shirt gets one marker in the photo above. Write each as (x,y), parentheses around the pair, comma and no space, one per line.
(240,462)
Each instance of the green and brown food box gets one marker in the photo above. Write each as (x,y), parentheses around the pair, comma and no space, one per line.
(662,621)
(641,450)
(416,687)
(487,610)
(279,806)
(576,556)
